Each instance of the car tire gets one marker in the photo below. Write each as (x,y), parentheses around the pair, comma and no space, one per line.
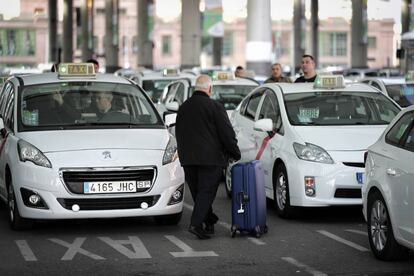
(15,220)
(173,219)
(227,180)
(281,193)
(380,232)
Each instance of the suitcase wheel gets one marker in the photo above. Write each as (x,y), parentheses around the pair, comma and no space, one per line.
(265,229)
(233,231)
(257,231)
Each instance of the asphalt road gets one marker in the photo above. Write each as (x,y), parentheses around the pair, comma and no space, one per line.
(323,241)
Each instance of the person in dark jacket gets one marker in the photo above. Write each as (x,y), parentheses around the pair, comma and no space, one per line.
(205,141)
(308,68)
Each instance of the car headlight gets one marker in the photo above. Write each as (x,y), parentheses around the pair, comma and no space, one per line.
(28,152)
(170,153)
(310,152)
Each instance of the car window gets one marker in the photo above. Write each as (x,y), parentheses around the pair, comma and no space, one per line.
(339,108)
(270,109)
(252,105)
(375,85)
(395,134)
(85,105)
(403,94)
(154,88)
(231,95)
(409,142)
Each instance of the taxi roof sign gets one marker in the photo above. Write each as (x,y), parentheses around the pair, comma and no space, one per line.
(329,81)
(170,72)
(223,75)
(68,70)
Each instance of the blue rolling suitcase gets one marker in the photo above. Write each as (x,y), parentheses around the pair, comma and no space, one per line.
(248,199)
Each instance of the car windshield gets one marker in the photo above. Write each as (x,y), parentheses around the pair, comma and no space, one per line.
(154,88)
(231,95)
(68,105)
(339,108)
(403,94)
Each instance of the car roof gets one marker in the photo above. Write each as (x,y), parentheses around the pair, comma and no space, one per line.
(160,76)
(396,80)
(289,88)
(53,78)
(236,81)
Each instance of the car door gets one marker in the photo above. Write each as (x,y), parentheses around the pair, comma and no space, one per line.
(243,125)
(7,114)
(269,109)
(399,172)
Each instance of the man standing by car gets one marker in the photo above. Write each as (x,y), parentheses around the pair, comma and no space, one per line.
(277,74)
(205,139)
(308,69)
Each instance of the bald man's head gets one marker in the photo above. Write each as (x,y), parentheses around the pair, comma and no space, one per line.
(204,83)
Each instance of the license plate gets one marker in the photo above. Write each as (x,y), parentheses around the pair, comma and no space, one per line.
(109,187)
(360,177)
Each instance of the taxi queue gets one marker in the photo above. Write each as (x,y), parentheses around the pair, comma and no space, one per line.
(318,136)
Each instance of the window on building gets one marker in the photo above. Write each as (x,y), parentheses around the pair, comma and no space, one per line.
(135,44)
(228,44)
(125,44)
(16,42)
(166,45)
(372,42)
(333,44)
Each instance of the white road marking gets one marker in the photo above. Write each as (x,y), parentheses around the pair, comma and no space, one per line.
(363,233)
(307,268)
(227,226)
(139,251)
(187,250)
(256,241)
(74,248)
(26,251)
(341,240)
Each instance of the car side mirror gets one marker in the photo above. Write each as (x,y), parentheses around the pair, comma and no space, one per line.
(172,106)
(263,125)
(170,119)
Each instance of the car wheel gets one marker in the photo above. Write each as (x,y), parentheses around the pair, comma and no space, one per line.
(281,192)
(380,233)
(168,219)
(227,180)
(15,220)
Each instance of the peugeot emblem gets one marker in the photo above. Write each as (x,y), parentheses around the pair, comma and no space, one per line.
(106,155)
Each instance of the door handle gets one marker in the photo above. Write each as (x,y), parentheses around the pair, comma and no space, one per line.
(391,172)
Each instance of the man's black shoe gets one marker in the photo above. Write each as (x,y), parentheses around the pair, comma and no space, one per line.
(209,229)
(199,232)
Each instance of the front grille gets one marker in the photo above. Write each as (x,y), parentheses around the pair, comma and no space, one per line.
(88,204)
(354,164)
(74,179)
(348,193)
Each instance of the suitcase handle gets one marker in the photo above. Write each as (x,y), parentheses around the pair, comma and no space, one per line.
(242,198)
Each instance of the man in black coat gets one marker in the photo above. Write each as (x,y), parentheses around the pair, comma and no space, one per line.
(205,141)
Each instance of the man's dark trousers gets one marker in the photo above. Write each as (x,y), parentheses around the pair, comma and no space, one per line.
(203,182)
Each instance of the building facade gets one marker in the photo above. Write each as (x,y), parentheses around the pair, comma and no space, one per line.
(24,40)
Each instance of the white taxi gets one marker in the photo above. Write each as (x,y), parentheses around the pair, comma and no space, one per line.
(227,89)
(388,195)
(76,145)
(311,139)
(155,82)
(400,89)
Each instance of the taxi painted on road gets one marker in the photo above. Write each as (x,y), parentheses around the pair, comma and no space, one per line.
(76,145)
(311,139)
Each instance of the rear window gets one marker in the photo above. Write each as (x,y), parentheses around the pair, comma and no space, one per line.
(154,88)
(403,94)
(339,108)
(85,105)
(231,95)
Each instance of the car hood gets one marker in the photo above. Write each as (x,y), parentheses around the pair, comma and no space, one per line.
(338,138)
(71,140)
